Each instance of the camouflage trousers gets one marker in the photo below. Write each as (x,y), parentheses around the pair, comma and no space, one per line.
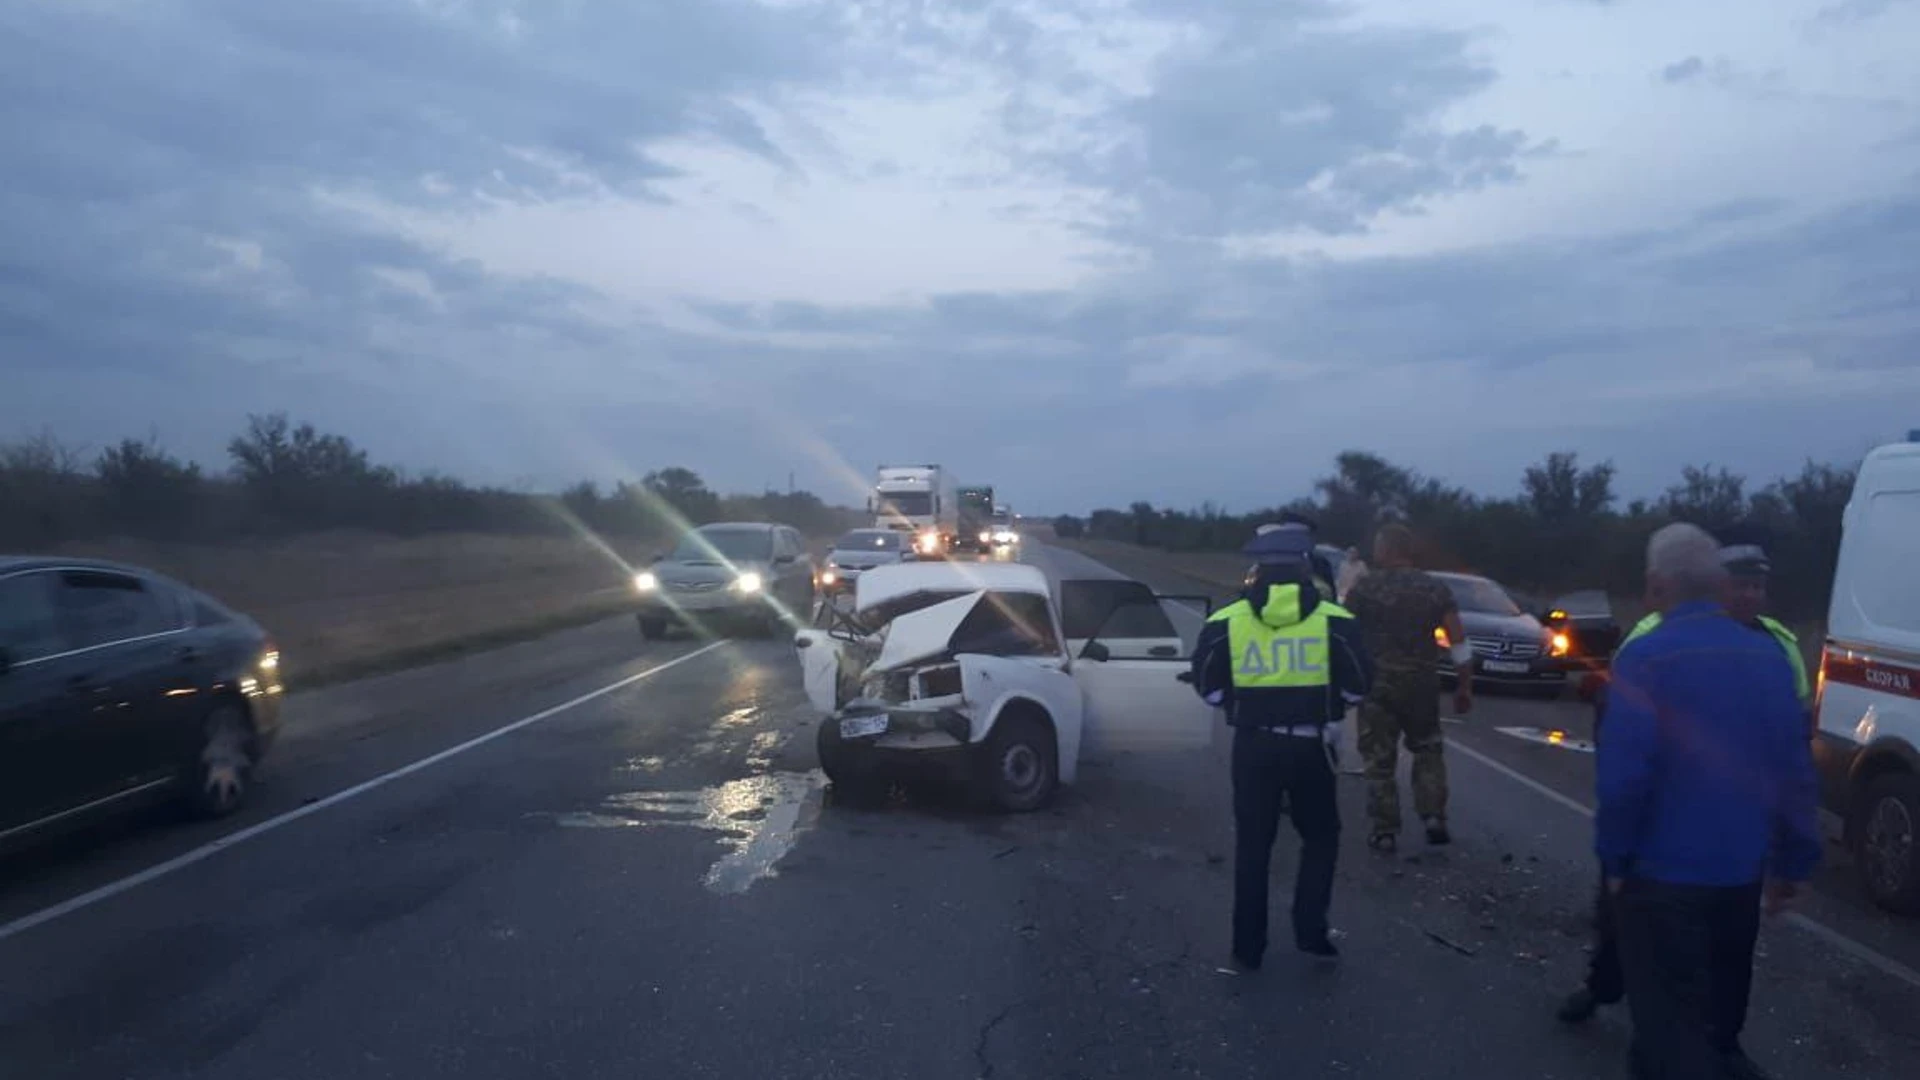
(1404,706)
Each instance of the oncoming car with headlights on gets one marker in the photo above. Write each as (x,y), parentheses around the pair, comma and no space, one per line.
(1510,647)
(965,669)
(740,573)
(862,550)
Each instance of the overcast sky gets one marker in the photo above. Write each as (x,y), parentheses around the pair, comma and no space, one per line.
(1087,250)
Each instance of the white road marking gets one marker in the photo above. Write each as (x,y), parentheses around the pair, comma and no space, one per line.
(251,832)
(1887,965)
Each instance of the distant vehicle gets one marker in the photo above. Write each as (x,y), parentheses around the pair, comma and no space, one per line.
(751,573)
(1867,700)
(919,500)
(1003,528)
(975,529)
(862,550)
(1510,646)
(1592,633)
(119,686)
(965,669)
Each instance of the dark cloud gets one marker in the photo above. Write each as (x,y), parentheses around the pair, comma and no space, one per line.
(1684,70)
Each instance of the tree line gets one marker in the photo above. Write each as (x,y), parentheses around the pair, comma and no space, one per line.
(1563,529)
(283,478)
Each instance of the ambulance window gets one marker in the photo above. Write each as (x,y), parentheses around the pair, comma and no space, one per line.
(1888,586)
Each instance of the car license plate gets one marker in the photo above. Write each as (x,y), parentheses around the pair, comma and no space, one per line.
(1506,667)
(857,727)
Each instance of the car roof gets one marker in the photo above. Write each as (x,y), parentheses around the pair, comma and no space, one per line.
(11,563)
(884,583)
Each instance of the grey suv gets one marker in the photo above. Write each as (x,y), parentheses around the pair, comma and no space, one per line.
(751,573)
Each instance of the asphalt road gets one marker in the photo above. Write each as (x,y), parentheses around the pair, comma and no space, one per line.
(652,881)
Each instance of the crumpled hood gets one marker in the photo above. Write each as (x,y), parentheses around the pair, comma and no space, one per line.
(1281,605)
(925,633)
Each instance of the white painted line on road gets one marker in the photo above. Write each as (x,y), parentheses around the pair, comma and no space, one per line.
(1886,965)
(234,839)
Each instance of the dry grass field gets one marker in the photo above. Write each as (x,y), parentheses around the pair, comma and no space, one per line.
(346,604)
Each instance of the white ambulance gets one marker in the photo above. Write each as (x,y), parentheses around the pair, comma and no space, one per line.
(1868,699)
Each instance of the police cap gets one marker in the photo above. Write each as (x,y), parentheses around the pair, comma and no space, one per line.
(1279,545)
(1743,551)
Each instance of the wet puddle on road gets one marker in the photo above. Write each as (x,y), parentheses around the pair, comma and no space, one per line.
(757,817)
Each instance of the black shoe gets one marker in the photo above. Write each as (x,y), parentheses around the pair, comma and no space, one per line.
(1245,963)
(1579,1007)
(1437,832)
(1321,948)
(1383,842)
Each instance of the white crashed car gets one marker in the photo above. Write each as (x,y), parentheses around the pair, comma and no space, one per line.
(966,665)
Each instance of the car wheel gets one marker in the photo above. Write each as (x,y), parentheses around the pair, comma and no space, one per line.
(1020,765)
(1887,844)
(653,629)
(221,773)
(850,772)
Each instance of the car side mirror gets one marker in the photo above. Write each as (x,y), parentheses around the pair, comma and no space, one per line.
(1096,652)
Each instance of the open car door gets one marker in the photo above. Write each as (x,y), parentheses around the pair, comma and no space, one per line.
(1137,698)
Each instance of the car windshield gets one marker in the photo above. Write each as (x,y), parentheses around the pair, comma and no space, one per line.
(869,540)
(1589,603)
(730,545)
(907,503)
(1480,595)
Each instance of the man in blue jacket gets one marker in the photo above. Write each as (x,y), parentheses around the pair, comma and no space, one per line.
(1284,663)
(1707,805)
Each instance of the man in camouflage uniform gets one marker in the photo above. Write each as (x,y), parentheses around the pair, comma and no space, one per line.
(1399,608)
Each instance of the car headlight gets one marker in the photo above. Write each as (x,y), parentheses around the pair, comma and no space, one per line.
(828,577)
(1558,644)
(1440,637)
(748,582)
(644,581)
(928,540)
(986,537)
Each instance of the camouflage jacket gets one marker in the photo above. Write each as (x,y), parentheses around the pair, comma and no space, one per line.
(1398,611)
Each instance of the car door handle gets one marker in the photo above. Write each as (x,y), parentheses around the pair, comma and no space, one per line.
(1163,650)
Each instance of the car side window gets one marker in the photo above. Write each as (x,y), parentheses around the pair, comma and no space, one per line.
(100,607)
(790,543)
(30,626)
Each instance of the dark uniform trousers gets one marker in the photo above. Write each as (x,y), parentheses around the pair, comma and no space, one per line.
(1688,959)
(1604,979)
(1269,769)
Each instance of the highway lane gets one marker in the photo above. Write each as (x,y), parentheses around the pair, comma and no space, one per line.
(654,882)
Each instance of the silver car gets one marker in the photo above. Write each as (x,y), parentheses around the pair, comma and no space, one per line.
(863,549)
(737,572)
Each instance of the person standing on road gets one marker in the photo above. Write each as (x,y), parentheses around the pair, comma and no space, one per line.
(1399,608)
(1323,573)
(1707,806)
(1744,596)
(1283,663)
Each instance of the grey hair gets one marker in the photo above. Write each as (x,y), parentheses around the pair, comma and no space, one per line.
(1687,558)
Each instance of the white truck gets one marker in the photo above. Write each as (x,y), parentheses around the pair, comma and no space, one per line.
(920,499)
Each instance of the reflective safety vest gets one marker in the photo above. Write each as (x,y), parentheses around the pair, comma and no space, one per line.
(1787,639)
(1282,675)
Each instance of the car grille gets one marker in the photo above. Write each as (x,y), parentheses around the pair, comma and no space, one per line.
(1502,647)
(693,586)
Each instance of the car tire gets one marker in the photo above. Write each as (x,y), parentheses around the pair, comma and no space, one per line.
(853,776)
(1019,765)
(221,774)
(653,629)
(1887,842)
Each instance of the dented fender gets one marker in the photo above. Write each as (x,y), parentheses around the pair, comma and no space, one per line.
(992,684)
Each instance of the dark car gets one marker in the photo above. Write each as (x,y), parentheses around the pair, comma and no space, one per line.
(740,572)
(860,550)
(1587,621)
(1510,646)
(118,685)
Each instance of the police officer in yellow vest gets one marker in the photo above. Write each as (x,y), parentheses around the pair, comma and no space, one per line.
(1284,664)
